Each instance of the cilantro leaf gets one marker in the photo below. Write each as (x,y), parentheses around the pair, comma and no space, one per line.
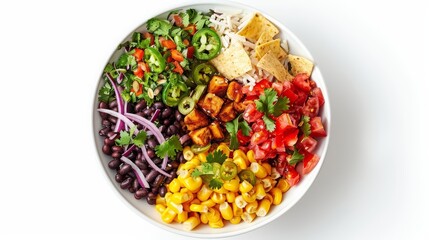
(105,94)
(245,128)
(305,125)
(296,157)
(158,26)
(269,123)
(215,183)
(124,139)
(270,104)
(281,105)
(217,156)
(169,148)
(232,128)
(125,59)
(140,139)
(196,173)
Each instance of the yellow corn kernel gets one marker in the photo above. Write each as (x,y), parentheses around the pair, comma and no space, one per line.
(180,218)
(213,215)
(167,197)
(187,153)
(174,186)
(269,197)
(239,153)
(191,223)
(239,201)
(240,162)
(275,174)
(195,201)
(248,217)
(203,217)
(168,215)
(202,157)
(236,210)
(209,203)
(204,193)
(198,208)
(249,197)
(259,190)
(218,224)
(258,170)
(160,208)
(177,208)
(230,197)
(187,166)
(251,156)
(220,190)
(218,197)
(160,200)
(251,207)
(245,187)
(232,185)
(277,195)
(226,211)
(268,183)
(179,197)
(193,214)
(267,167)
(264,207)
(283,185)
(193,184)
(195,161)
(224,148)
(235,220)
(182,175)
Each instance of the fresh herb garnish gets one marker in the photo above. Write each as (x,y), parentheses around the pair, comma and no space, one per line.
(216,157)
(296,157)
(169,148)
(158,26)
(105,94)
(270,104)
(232,128)
(210,170)
(126,138)
(305,125)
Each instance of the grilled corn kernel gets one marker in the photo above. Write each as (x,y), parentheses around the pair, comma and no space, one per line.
(226,211)
(251,207)
(191,223)
(236,210)
(203,217)
(193,184)
(258,170)
(239,201)
(179,197)
(248,217)
(267,167)
(195,161)
(251,156)
(202,157)
(239,153)
(245,187)
(232,185)
(283,185)
(218,224)
(259,190)
(168,215)
(198,208)
(275,174)
(269,197)
(160,208)
(180,218)
(267,183)
(230,197)
(213,215)
(204,193)
(160,200)
(209,203)
(224,148)
(264,208)
(249,197)
(218,197)
(220,190)
(240,162)
(174,186)
(187,153)
(277,195)
(235,220)
(177,208)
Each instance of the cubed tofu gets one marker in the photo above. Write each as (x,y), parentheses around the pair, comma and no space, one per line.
(218,85)
(196,119)
(216,130)
(211,104)
(233,92)
(201,136)
(227,113)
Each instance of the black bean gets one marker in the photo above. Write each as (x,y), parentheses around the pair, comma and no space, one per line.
(114,164)
(103,105)
(171,130)
(108,141)
(113,104)
(151,153)
(173,176)
(139,155)
(162,129)
(103,132)
(106,149)
(177,124)
(142,165)
(168,167)
(146,172)
(113,135)
(139,126)
(140,106)
(115,109)
(162,191)
(150,201)
(126,168)
(157,160)
(117,149)
(136,184)
(126,183)
(116,155)
(174,164)
(112,119)
(106,123)
(155,190)
(151,176)
(178,115)
(166,113)
(158,105)
(158,180)
(132,156)
(147,112)
(132,189)
(141,114)
(142,192)
(103,115)
(166,122)
(139,194)
(151,143)
(119,178)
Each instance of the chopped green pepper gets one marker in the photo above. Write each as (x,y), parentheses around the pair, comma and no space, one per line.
(155,60)
(172,93)
(200,149)
(207,44)
(202,73)
(198,92)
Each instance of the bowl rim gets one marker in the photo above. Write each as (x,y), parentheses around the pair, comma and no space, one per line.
(273,216)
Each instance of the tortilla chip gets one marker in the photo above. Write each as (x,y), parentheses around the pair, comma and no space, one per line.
(256,26)
(265,37)
(273,46)
(300,65)
(270,63)
(233,62)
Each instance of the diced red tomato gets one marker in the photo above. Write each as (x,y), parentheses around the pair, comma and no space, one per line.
(259,153)
(291,137)
(311,107)
(138,54)
(318,93)
(251,114)
(169,44)
(177,68)
(284,123)
(317,129)
(138,72)
(191,51)
(177,20)
(176,55)
(302,82)
(258,125)
(258,137)
(150,36)
(191,29)
(243,140)
(307,143)
(290,94)
(291,175)
(278,144)
(278,86)
(266,146)
(310,161)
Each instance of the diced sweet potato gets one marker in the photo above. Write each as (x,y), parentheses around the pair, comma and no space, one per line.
(227,113)
(216,130)
(211,104)
(234,91)
(196,119)
(218,85)
(201,136)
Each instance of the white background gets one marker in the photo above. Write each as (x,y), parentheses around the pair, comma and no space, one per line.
(373,54)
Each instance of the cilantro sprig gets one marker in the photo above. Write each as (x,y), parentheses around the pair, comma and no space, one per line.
(126,138)
(210,170)
(232,128)
(270,104)
(296,157)
(305,125)
(169,148)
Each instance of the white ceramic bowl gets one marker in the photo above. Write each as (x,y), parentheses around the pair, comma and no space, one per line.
(294,194)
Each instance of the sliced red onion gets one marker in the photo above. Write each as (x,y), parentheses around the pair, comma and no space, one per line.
(125,110)
(120,117)
(152,164)
(113,136)
(120,78)
(184,138)
(128,151)
(139,175)
(155,115)
(119,124)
